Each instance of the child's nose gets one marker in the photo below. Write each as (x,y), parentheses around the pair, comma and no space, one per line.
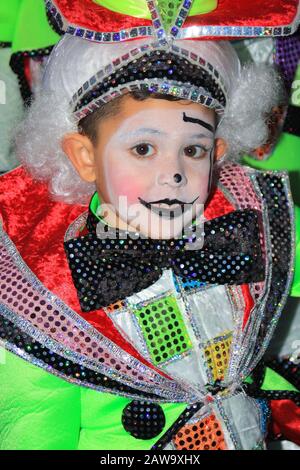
(173,178)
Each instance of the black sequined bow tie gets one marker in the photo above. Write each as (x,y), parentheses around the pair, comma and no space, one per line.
(105,270)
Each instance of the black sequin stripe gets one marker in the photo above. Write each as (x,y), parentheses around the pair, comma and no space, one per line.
(287,369)
(273,189)
(156,64)
(276,395)
(254,390)
(179,423)
(55,23)
(258,375)
(17,63)
(14,335)
(5,44)
(292,120)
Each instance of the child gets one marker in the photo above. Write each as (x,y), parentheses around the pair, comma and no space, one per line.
(145,329)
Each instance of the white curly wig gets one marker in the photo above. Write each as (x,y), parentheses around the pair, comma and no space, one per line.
(253,90)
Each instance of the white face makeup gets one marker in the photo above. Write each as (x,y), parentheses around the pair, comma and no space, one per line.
(154,164)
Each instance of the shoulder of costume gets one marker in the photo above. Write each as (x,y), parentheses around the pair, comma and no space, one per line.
(40,318)
(21,195)
(269,193)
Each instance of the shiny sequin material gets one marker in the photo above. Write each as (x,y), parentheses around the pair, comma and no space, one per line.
(25,301)
(49,321)
(169,9)
(176,27)
(167,19)
(189,32)
(202,427)
(111,36)
(188,284)
(155,85)
(171,71)
(230,255)
(235,31)
(164,330)
(265,414)
(239,188)
(183,418)
(157,64)
(287,367)
(55,17)
(274,191)
(269,192)
(287,57)
(254,389)
(115,306)
(20,63)
(280,395)
(206,434)
(168,16)
(281,223)
(143,419)
(61,365)
(217,354)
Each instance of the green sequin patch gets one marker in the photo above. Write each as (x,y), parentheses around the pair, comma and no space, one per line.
(163,328)
(168,11)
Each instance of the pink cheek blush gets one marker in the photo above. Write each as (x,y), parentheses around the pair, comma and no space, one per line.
(121,186)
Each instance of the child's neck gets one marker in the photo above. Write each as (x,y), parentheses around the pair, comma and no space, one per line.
(114,221)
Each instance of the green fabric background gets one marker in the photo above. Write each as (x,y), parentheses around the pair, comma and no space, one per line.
(41,411)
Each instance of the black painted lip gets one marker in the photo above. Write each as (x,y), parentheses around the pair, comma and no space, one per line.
(169,213)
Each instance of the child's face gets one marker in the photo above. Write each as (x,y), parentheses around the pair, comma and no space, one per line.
(152,164)
(156,150)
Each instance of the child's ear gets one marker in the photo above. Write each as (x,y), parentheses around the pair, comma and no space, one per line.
(80,151)
(220,148)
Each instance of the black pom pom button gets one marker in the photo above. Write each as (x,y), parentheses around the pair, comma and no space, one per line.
(143,420)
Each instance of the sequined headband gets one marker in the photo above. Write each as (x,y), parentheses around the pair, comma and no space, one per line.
(159,67)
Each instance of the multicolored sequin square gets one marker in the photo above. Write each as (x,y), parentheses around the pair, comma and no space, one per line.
(206,434)
(163,328)
(217,353)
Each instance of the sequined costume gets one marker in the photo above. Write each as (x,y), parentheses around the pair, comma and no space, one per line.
(40,316)
(171,365)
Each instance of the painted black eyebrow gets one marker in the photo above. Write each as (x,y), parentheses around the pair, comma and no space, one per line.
(199,121)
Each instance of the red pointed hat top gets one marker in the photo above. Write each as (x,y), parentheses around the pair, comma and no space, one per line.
(120,20)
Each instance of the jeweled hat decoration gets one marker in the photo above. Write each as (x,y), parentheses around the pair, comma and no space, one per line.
(199,71)
(115,20)
(158,68)
(164,62)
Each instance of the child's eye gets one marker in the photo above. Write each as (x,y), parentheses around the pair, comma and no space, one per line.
(143,150)
(195,151)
